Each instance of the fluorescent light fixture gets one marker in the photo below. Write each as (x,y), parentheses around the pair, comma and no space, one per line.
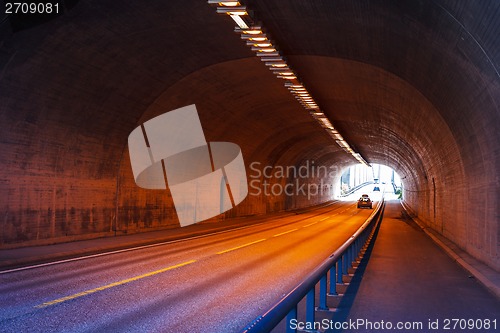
(263,49)
(342,143)
(255,39)
(286,77)
(239,21)
(251,32)
(325,121)
(277,66)
(226,3)
(259,44)
(268,58)
(234,10)
(279,69)
(293,85)
(267,54)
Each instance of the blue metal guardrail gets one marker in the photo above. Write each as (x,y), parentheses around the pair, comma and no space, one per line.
(333,268)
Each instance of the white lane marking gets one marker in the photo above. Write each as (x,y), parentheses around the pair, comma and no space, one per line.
(286,232)
(241,246)
(83,257)
(123,250)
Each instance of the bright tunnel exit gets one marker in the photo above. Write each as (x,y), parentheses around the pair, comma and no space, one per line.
(376,180)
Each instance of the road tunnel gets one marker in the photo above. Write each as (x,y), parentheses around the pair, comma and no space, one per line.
(413,85)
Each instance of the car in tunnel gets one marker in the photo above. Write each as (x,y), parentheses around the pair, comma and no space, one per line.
(365,202)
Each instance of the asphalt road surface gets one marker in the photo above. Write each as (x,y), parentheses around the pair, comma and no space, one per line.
(216,283)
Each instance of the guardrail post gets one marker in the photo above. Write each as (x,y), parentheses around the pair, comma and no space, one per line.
(349,258)
(333,284)
(310,307)
(291,315)
(322,294)
(344,262)
(339,271)
(360,247)
(354,253)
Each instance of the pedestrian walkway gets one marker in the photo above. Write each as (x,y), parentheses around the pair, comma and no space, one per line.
(406,280)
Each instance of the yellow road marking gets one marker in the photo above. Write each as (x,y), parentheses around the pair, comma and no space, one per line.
(239,247)
(286,232)
(326,218)
(310,224)
(111,285)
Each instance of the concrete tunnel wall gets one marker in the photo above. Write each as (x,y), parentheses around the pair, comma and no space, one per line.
(411,84)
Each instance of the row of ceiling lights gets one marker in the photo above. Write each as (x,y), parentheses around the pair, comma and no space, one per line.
(260,42)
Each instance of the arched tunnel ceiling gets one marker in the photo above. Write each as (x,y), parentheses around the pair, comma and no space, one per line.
(432,46)
(411,84)
(147,50)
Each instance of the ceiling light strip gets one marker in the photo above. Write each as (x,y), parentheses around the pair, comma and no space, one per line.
(266,49)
